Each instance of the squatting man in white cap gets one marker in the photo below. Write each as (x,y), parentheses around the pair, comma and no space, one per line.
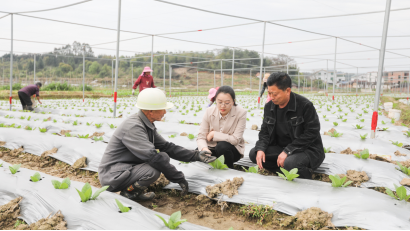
(131,162)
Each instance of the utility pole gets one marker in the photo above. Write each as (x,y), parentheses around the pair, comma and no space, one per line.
(233,64)
(11,61)
(117,57)
(380,72)
(260,70)
(34,68)
(83,70)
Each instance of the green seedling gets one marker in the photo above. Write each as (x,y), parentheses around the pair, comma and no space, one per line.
(191,136)
(1,165)
(28,119)
(337,182)
(61,185)
(397,143)
(344,120)
(112,126)
(359,114)
(174,221)
(407,133)
(18,222)
(182,162)
(326,119)
(335,134)
(385,129)
(335,123)
(340,117)
(98,138)
(43,130)
(86,192)
(365,111)
(67,134)
(55,121)
(253,169)
(362,120)
(358,126)
(247,119)
(252,114)
(326,150)
(324,116)
(45,120)
(36,177)
(401,193)
(173,136)
(383,122)
(14,168)
(22,117)
(392,121)
(363,137)
(98,125)
(363,154)
(219,163)
(404,169)
(88,124)
(289,176)
(75,123)
(181,121)
(83,136)
(122,208)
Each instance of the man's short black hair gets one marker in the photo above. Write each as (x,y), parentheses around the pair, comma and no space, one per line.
(39,84)
(281,80)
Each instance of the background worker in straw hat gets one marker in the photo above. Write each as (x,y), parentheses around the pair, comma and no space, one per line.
(145,80)
(211,95)
(131,162)
(265,86)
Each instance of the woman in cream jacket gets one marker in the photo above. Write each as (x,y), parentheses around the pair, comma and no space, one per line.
(222,127)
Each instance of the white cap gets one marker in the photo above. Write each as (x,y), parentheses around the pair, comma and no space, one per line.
(152,99)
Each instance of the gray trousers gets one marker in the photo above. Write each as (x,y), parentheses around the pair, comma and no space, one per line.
(146,174)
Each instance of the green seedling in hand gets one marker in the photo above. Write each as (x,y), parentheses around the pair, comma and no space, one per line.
(363,154)
(43,130)
(174,221)
(253,169)
(327,150)
(404,169)
(36,177)
(335,123)
(14,168)
(122,208)
(86,192)
(401,193)
(358,126)
(289,176)
(83,136)
(363,137)
(397,143)
(191,136)
(337,182)
(219,163)
(61,185)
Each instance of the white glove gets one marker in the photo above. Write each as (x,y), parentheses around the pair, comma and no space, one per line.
(133,91)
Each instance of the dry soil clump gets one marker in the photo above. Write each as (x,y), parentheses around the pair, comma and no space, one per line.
(184,134)
(49,152)
(55,222)
(328,132)
(161,182)
(63,132)
(355,176)
(9,213)
(398,153)
(228,187)
(309,219)
(80,163)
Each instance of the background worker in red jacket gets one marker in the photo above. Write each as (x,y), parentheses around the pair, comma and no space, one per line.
(145,80)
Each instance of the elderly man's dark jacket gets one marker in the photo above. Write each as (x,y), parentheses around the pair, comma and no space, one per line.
(303,127)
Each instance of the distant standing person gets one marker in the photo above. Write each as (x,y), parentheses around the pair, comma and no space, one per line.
(145,80)
(26,92)
(264,87)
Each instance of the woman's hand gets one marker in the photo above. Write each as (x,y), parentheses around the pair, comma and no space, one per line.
(210,136)
(207,149)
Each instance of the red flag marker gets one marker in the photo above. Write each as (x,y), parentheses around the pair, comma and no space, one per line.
(115,97)
(374,121)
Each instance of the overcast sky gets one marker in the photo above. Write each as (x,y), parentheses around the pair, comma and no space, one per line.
(152,17)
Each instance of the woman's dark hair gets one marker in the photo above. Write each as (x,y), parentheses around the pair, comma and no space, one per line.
(280,79)
(226,90)
(38,84)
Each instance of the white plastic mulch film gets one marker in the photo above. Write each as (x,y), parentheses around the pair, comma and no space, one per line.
(351,206)
(40,199)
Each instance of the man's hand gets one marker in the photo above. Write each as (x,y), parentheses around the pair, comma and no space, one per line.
(184,187)
(210,136)
(260,157)
(205,157)
(281,159)
(133,91)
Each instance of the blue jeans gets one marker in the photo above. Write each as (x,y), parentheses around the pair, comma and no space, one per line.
(297,160)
